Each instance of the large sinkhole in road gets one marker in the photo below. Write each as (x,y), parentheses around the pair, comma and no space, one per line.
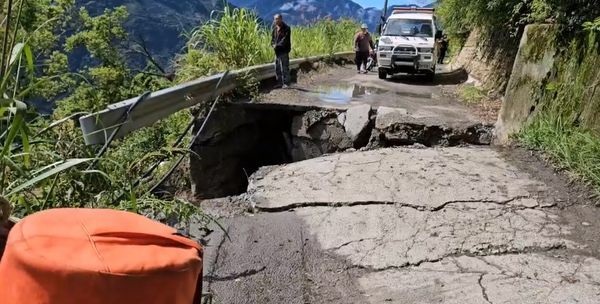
(240,138)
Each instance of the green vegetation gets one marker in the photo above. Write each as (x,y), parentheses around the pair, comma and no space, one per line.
(238,40)
(498,17)
(43,160)
(471,94)
(566,124)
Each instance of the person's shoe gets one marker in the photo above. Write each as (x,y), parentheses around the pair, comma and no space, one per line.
(285,86)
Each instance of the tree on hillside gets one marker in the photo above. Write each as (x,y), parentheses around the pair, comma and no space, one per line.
(55,30)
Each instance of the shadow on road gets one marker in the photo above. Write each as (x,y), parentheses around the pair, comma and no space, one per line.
(451,78)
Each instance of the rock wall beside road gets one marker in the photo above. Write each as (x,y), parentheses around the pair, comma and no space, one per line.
(534,60)
(484,60)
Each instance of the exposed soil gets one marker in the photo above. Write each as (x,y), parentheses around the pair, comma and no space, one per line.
(486,110)
(578,203)
(566,191)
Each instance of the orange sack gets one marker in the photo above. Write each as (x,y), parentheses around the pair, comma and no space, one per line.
(98,256)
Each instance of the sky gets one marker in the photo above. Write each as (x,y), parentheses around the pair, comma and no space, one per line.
(379,3)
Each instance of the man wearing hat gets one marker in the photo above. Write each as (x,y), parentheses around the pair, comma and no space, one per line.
(363,45)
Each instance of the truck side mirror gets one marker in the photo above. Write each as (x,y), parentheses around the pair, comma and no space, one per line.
(439,34)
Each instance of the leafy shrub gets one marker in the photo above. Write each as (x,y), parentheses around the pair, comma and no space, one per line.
(239,39)
(45,164)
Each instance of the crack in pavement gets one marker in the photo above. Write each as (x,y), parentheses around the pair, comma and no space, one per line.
(305,285)
(502,203)
(457,254)
(483,290)
(231,277)
(355,241)
(215,266)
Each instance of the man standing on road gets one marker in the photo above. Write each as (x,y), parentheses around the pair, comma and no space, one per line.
(443,49)
(363,45)
(282,45)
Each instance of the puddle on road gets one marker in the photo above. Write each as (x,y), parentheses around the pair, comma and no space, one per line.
(345,93)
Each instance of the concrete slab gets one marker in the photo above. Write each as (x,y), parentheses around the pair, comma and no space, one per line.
(271,258)
(427,179)
(356,121)
(381,237)
(534,278)
(387,116)
(341,88)
(452,225)
(404,225)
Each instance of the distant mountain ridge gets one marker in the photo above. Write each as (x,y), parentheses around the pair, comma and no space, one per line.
(161,24)
(301,12)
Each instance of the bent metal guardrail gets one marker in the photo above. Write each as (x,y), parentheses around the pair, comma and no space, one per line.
(98,127)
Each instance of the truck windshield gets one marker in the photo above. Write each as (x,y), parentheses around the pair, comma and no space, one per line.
(409,27)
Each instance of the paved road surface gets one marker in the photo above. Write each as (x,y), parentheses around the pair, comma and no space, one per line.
(407,225)
(342,88)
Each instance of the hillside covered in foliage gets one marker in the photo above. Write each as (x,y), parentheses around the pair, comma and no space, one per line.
(44,162)
(565,121)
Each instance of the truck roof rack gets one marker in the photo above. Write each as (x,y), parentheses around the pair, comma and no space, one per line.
(398,9)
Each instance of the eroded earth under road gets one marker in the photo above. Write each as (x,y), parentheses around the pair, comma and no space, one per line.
(414,224)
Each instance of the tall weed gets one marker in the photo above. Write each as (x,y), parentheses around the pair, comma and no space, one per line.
(237,39)
(567,126)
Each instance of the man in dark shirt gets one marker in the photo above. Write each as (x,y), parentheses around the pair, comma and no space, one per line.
(363,46)
(282,45)
(443,49)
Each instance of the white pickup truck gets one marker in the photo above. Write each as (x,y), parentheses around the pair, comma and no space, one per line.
(408,42)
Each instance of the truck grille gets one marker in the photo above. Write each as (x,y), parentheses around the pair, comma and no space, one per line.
(405,50)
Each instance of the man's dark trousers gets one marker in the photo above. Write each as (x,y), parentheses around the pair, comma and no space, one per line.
(360,59)
(282,68)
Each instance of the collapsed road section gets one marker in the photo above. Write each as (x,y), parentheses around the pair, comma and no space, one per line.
(241,138)
(328,111)
(406,225)
(387,192)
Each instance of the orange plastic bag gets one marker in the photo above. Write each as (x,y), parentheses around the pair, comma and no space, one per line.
(89,256)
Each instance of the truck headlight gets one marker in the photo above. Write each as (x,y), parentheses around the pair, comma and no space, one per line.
(384,48)
(425,50)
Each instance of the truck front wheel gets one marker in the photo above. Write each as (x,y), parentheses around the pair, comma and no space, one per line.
(430,76)
(382,74)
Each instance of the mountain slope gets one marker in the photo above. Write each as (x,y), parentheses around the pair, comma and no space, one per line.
(299,12)
(160,24)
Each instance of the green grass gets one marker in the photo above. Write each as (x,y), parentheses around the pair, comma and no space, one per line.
(571,148)
(238,40)
(52,169)
(471,94)
(567,126)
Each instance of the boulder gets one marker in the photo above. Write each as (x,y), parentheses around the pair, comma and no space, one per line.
(357,123)
(342,118)
(386,117)
(315,133)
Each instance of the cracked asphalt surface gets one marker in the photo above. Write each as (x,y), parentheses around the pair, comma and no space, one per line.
(405,225)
